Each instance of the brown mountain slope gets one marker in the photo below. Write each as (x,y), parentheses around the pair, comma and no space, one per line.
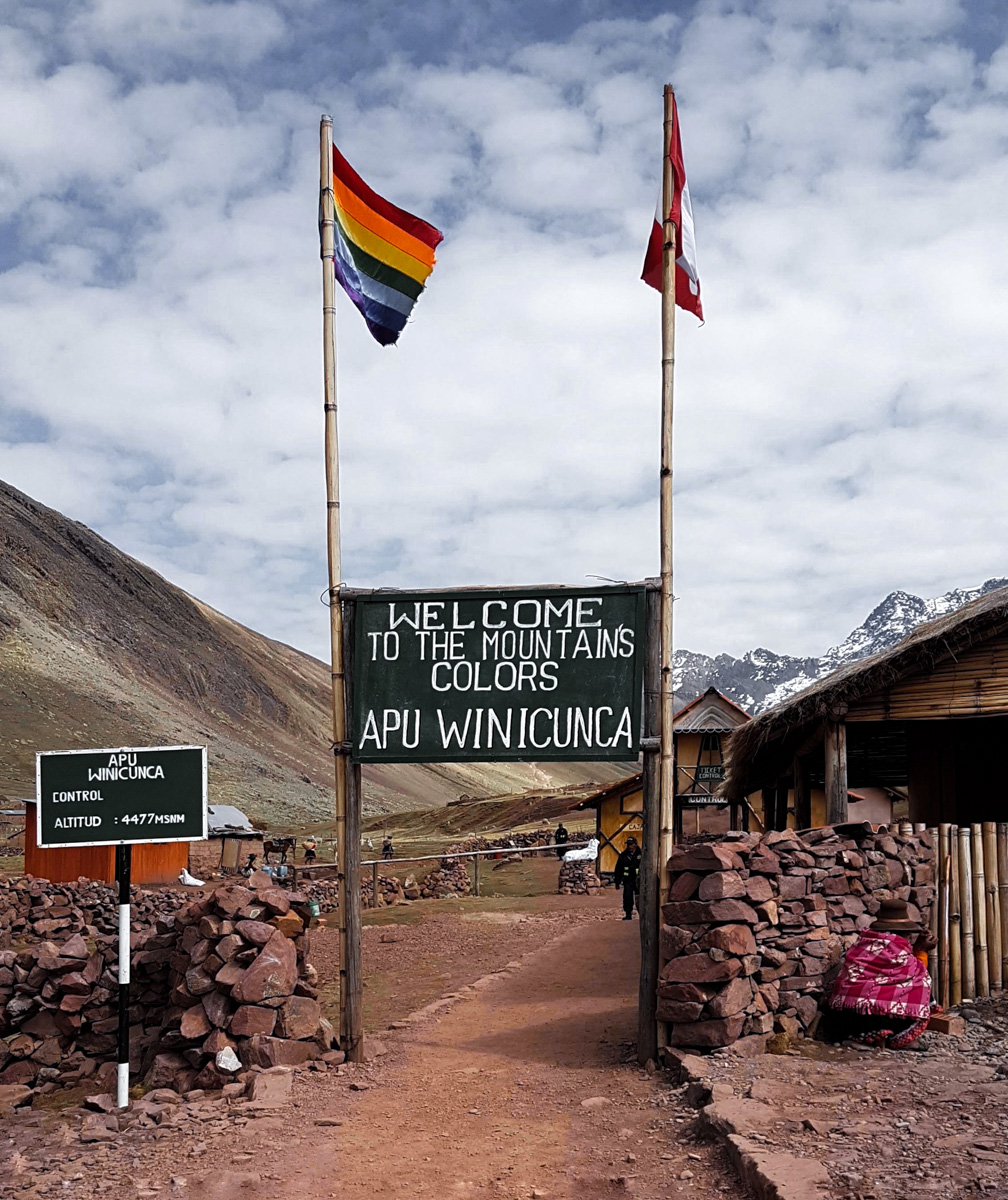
(98,650)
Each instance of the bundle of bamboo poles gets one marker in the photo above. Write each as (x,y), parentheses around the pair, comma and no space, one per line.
(970,915)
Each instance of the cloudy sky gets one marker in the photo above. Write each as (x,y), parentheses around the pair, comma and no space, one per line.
(840,419)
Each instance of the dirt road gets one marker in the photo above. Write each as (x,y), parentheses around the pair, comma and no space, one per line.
(528,1087)
(524,1085)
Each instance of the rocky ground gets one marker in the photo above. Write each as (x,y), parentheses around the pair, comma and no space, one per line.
(518,1083)
(928,1121)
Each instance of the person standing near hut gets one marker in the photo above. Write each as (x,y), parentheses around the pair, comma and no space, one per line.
(627,875)
(882,995)
(561,837)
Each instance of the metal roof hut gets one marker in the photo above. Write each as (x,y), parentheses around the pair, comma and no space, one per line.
(230,839)
(699,728)
(930,714)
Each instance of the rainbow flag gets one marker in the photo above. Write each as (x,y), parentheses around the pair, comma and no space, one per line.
(383,254)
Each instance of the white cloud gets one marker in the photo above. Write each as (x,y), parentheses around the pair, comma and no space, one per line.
(160,358)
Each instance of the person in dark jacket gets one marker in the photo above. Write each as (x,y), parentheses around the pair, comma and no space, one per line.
(627,874)
(561,837)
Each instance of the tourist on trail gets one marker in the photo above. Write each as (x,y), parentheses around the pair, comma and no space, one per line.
(310,847)
(561,837)
(627,874)
(882,995)
(386,849)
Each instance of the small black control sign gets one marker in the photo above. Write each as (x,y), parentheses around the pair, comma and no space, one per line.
(111,797)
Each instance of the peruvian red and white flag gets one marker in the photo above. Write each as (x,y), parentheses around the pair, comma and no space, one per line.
(687,281)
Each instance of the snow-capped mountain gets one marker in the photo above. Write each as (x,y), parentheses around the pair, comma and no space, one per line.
(760,679)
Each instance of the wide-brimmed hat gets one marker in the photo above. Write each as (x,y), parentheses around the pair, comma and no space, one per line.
(894,917)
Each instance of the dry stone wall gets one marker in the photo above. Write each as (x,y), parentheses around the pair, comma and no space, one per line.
(754,927)
(578,878)
(219,987)
(35,910)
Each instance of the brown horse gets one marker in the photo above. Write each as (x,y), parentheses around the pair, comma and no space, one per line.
(278,845)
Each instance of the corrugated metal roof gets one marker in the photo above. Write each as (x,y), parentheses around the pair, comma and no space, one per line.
(225,818)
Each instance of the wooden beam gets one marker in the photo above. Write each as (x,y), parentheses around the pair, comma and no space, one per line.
(835,739)
(802,794)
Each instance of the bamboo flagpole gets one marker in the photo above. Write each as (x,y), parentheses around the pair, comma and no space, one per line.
(944,887)
(1002,861)
(340,744)
(666,787)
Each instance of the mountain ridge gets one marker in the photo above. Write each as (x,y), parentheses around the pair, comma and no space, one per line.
(97,649)
(761,678)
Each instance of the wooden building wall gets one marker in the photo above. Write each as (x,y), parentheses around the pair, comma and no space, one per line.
(156,863)
(619,816)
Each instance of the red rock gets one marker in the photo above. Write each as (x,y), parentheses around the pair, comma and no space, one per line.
(677,1010)
(274,972)
(75,983)
(290,924)
(697,912)
(672,941)
(765,862)
(298,1017)
(13,1095)
(275,900)
(684,885)
(735,939)
(731,999)
(721,885)
(76,947)
(758,889)
(217,1008)
(195,1023)
(272,1086)
(250,1019)
(210,926)
(703,858)
(261,1051)
(791,887)
(198,981)
(163,1071)
(229,946)
(217,1041)
(229,975)
(21,1071)
(256,932)
(698,968)
(721,1032)
(228,900)
(688,992)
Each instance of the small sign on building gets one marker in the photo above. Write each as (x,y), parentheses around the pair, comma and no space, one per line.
(122,796)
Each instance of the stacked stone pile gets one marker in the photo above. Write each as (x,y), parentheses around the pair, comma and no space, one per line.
(449,878)
(509,841)
(241,990)
(391,890)
(578,878)
(59,1008)
(35,910)
(755,927)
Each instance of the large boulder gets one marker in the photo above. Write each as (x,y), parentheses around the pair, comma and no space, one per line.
(273,973)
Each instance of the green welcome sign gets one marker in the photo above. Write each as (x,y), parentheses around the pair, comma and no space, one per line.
(130,794)
(539,674)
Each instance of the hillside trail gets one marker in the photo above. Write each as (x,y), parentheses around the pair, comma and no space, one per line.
(489,1099)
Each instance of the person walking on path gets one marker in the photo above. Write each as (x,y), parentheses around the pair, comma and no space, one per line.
(627,874)
(561,837)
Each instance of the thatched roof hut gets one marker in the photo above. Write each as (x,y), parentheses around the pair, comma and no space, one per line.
(951,672)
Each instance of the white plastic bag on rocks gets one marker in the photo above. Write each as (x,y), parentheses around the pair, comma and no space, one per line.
(189,880)
(227,1060)
(586,854)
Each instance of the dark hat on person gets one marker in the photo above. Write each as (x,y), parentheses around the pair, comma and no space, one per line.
(894,917)
(630,839)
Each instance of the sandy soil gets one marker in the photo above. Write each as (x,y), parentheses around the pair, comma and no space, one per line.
(524,1086)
